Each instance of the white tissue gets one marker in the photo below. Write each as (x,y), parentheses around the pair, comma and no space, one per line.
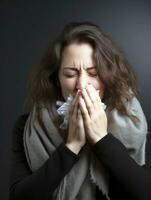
(64,110)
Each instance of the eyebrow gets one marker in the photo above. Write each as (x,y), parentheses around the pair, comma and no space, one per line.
(73,68)
(94,67)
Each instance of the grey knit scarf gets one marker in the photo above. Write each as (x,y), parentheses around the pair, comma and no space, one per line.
(80,182)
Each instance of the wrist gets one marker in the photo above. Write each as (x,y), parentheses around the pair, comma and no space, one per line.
(73,147)
(97,138)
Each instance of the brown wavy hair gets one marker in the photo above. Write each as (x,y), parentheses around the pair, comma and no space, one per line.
(112,67)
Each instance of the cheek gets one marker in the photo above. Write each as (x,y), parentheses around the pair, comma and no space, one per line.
(67,87)
(98,85)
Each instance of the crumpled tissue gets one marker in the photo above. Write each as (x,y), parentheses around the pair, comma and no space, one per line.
(64,110)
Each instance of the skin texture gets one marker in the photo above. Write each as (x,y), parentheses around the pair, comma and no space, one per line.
(78,76)
(76,70)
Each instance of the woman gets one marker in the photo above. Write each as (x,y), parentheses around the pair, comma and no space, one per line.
(86,151)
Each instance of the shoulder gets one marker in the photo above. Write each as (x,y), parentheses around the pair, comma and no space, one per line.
(133,104)
(22,118)
(20,123)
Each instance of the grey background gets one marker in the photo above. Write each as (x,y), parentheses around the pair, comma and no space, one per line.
(28,26)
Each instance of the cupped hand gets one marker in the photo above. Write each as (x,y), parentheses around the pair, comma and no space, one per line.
(76,133)
(94,116)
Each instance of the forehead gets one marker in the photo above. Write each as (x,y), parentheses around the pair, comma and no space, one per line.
(78,55)
(77,48)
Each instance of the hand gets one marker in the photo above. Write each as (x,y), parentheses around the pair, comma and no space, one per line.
(76,136)
(95,120)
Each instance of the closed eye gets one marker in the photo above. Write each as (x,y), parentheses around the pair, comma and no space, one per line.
(92,72)
(70,73)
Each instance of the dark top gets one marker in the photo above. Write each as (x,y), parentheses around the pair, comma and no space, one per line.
(128,180)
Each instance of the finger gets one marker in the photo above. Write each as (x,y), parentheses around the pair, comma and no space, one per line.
(80,118)
(74,102)
(83,109)
(75,111)
(93,94)
(87,100)
(79,114)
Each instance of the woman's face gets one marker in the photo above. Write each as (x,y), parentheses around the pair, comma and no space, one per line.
(78,69)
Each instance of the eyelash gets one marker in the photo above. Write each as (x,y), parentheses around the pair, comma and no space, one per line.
(71,76)
(93,75)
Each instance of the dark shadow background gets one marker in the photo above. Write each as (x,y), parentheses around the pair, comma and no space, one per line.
(28,26)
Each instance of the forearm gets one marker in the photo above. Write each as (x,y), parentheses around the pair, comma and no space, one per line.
(114,156)
(42,183)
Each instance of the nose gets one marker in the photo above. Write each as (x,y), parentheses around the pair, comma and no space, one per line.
(82,81)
